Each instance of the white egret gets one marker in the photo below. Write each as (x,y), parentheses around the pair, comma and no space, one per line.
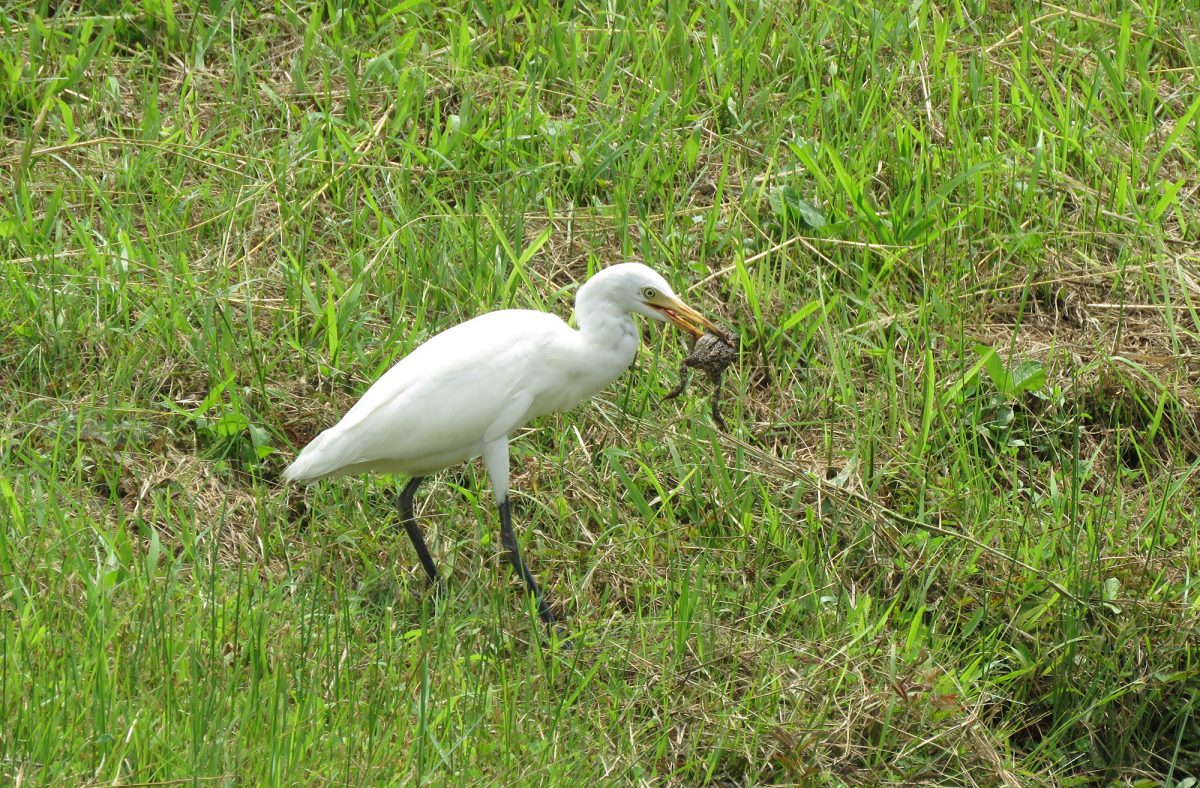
(463,392)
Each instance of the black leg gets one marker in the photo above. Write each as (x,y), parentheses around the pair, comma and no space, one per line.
(509,540)
(404,502)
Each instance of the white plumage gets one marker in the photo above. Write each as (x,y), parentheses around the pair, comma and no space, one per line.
(461,393)
(472,383)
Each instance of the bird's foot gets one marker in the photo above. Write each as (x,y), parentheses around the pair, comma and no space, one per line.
(435,590)
(560,637)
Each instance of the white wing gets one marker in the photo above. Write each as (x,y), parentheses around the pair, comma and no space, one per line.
(436,406)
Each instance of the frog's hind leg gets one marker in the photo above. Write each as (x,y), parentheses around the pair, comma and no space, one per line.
(683,381)
(718,419)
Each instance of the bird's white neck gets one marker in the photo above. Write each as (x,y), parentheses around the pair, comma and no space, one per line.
(605,327)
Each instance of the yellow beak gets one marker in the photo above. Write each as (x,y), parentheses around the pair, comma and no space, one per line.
(687,318)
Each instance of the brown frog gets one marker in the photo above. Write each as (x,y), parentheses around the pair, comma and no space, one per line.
(711,353)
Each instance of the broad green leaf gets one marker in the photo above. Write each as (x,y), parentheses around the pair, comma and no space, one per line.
(994,368)
(786,203)
(1027,376)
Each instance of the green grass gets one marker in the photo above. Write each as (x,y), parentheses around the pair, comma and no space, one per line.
(951,537)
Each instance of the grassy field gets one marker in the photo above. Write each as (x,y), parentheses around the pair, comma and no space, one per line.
(950,537)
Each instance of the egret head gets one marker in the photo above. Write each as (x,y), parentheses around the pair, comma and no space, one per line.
(637,288)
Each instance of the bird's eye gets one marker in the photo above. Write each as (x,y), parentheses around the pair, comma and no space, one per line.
(648,293)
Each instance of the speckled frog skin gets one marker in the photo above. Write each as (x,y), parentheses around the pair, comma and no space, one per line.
(712,354)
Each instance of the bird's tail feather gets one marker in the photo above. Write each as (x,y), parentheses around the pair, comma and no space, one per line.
(316,460)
